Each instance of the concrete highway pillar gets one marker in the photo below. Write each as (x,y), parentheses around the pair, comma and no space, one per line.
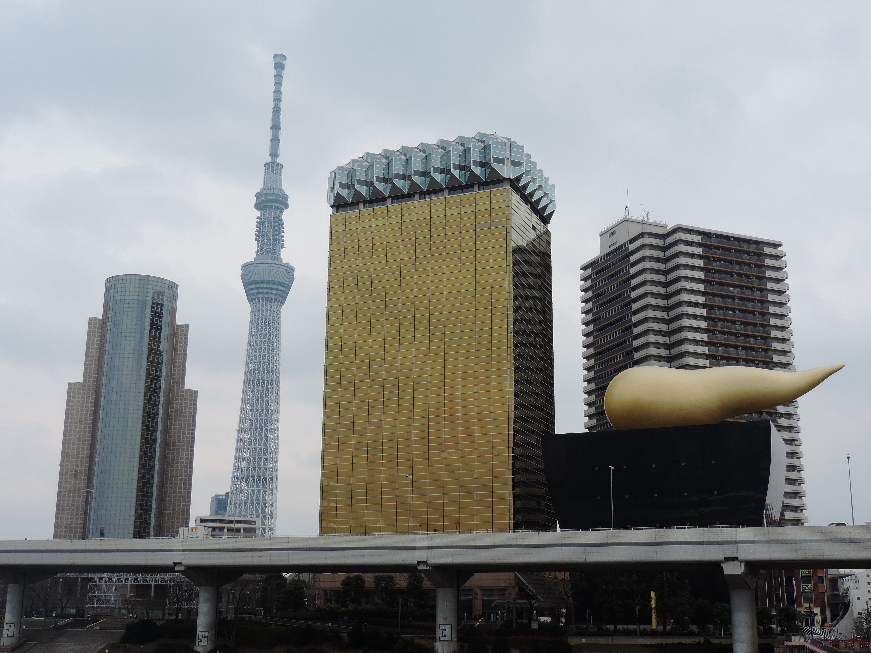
(14,612)
(447,583)
(208,582)
(207,617)
(741,580)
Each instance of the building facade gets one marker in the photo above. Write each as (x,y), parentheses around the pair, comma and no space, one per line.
(221,527)
(855,585)
(267,281)
(689,297)
(439,347)
(218,504)
(127,451)
(806,590)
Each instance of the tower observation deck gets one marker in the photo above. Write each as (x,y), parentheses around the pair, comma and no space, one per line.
(267,281)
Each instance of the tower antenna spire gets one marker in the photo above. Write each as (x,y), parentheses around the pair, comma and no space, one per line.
(277,63)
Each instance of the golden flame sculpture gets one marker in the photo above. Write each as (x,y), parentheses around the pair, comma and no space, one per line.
(651,397)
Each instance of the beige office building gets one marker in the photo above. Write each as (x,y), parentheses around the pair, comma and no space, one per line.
(439,352)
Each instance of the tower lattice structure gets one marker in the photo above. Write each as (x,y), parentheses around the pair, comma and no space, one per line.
(267,281)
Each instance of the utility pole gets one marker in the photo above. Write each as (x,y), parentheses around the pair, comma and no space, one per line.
(850,477)
(408,502)
(611,467)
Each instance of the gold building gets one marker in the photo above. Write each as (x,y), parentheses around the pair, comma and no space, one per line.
(439,347)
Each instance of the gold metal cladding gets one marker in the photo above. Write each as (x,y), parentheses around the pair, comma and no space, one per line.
(651,397)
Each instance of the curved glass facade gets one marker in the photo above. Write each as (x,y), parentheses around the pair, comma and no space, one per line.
(132,404)
(127,452)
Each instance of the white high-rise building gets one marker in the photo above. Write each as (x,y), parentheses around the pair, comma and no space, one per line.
(689,297)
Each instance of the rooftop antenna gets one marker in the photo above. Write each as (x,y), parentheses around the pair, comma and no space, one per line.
(850,477)
(626,213)
(278,64)
(645,214)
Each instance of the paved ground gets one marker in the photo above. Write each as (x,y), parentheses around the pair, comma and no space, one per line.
(68,641)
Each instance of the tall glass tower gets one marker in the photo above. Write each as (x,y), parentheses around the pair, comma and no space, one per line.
(128,442)
(267,281)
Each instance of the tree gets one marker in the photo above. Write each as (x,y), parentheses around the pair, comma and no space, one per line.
(353,589)
(764,620)
(703,614)
(567,595)
(581,595)
(637,596)
(414,589)
(673,599)
(787,619)
(385,584)
(181,595)
(608,597)
(242,595)
(65,592)
(272,592)
(295,594)
(722,615)
(38,598)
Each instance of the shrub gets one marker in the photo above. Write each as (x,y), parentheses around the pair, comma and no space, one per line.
(180,629)
(141,632)
(172,647)
(475,646)
(258,636)
(501,646)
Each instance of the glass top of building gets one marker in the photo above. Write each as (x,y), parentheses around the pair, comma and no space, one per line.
(429,168)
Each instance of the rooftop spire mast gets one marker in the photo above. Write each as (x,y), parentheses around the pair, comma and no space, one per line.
(277,63)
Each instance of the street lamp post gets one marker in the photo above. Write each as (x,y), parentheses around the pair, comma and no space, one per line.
(611,467)
(408,502)
(850,478)
(89,502)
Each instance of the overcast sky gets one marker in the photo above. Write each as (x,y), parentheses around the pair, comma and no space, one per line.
(133,135)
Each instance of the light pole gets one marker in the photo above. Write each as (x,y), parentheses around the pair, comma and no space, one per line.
(850,477)
(611,467)
(89,502)
(408,502)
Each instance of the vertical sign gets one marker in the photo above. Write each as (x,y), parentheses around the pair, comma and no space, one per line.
(445,632)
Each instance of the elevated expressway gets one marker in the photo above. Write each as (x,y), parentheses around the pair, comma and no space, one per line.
(447,560)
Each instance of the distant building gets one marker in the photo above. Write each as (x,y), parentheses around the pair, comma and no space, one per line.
(128,442)
(806,590)
(689,297)
(439,344)
(857,584)
(218,504)
(221,526)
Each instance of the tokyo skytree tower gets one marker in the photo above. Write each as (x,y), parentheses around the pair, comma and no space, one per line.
(267,281)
